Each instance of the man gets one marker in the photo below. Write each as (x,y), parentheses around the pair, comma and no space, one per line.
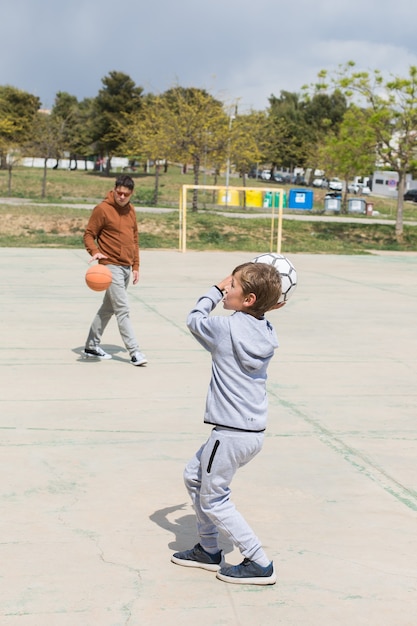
(111,237)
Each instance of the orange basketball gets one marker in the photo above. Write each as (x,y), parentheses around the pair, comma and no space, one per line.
(98,277)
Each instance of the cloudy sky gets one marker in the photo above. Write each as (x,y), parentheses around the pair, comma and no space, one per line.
(239,50)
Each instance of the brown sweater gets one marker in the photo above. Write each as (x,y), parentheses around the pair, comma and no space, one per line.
(113,231)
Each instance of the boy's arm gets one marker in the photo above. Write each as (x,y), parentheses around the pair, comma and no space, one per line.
(205,329)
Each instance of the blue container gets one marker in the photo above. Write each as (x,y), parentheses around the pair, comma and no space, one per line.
(301,199)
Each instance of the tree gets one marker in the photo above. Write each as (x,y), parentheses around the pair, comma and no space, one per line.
(119,96)
(77,127)
(66,111)
(323,115)
(83,129)
(47,141)
(197,128)
(298,124)
(392,116)
(248,140)
(146,134)
(17,113)
(288,137)
(350,150)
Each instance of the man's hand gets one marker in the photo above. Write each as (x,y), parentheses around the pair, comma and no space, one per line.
(97,256)
(135,274)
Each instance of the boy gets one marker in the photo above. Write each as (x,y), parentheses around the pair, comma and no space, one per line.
(241,346)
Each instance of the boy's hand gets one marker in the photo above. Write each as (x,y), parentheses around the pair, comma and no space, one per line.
(225,283)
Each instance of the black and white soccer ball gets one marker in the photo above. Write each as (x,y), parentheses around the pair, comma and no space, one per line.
(286,270)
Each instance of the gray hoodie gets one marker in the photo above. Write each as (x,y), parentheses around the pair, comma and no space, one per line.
(241,347)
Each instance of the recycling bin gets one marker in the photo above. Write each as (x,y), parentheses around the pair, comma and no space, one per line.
(357,205)
(228,197)
(333,204)
(301,199)
(271,199)
(254,198)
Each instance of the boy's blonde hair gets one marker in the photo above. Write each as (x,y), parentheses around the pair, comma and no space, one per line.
(264,281)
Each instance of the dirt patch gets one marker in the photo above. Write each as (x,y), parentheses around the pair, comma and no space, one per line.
(21,225)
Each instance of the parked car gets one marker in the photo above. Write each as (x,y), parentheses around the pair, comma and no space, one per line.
(281,178)
(254,172)
(335,184)
(411,194)
(320,182)
(299,180)
(266,174)
(359,188)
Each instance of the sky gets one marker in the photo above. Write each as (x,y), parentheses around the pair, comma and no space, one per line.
(241,52)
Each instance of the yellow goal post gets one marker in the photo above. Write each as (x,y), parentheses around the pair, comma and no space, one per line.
(273,190)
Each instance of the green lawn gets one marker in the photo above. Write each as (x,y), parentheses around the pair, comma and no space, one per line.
(59,226)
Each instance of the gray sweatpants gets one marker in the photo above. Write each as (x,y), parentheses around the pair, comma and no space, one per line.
(207,478)
(116,303)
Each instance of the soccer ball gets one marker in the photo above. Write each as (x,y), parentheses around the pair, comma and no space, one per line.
(286,270)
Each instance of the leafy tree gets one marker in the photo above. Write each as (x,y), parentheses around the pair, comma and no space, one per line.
(323,115)
(119,96)
(248,140)
(298,124)
(350,150)
(324,111)
(76,119)
(146,134)
(65,109)
(392,116)
(47,141)
(197,128)
(9,147)
(17,113)
(288,135)
(83,129)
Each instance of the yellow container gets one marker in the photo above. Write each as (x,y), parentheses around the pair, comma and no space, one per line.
(254,198)
(229,197)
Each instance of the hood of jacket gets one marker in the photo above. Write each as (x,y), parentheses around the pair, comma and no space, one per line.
(254,341)
(110,200)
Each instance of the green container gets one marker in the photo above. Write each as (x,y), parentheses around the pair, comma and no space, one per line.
(271,199)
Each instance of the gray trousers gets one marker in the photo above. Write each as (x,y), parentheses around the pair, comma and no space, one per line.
(116,303)
(207,478)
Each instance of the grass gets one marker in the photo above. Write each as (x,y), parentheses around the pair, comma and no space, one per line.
(54,225)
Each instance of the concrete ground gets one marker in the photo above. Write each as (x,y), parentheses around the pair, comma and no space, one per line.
(92,499)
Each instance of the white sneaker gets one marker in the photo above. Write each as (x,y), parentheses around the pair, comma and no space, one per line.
(96,353)
(138,358)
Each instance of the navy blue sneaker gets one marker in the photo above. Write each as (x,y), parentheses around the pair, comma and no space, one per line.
(248,573)
(198,557)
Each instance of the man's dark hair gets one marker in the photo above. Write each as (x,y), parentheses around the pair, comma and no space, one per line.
(125,181)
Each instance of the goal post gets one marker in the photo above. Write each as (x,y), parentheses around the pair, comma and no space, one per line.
(182,243)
